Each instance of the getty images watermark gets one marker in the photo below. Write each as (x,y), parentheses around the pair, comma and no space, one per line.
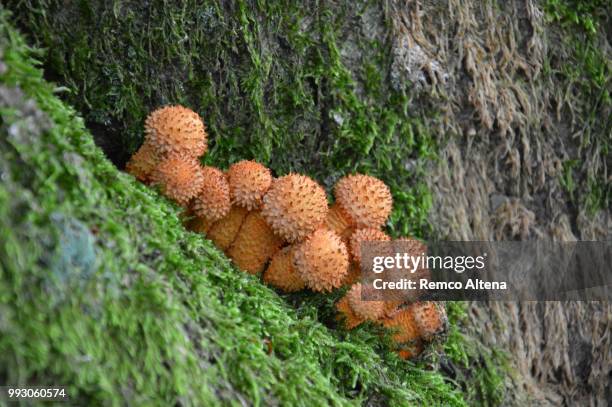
(522,271)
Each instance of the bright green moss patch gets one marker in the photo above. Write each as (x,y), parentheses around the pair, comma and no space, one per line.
(103,290)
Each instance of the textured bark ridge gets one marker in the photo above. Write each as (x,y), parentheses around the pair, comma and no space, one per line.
(510,129)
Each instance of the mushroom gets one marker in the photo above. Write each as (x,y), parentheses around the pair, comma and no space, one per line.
(176,129)
(281,273)
(254,245)
(224,231)
(295,206)
(346,313)
(213,200)
(248,182)
(370,310)
(180,178)
(430,318)
(365,200)
(360,236)
(142,162)
(322,260)
(404,326)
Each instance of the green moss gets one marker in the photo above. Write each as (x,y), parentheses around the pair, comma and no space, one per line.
(584,70)
(155,315)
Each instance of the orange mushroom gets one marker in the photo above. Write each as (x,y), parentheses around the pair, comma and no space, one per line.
(213,200)
(295,206)
(179,177)
(224,231)
(281,273)
(248,182)
(322,260)
(176,129)
(365,200)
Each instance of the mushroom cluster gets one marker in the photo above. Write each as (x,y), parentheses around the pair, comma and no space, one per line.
(281,228)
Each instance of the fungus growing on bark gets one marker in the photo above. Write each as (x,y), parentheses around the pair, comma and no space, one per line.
(369,310)
(142,162)
(255,243)
(295,206)
(322,260)
(281,273)
(365,235)
(224,231)
(365,200)
(176,129)
(248,182)
(213,200)
(179,177)
(430,318)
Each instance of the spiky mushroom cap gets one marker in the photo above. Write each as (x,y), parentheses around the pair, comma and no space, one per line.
(430,318)
(365,235)
(254,244)
(176,129)
(346,313)
(322,260)
(404,325)
(281,273)
(370,310)
(295,206)
(213,200)
(248,181)
(142,162)
(224,231)
(365,199)
(179,177)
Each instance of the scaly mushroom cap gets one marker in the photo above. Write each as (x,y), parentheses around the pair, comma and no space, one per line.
(339,222)
(402,322)
(254,244)
(213,200)
(143,162)
(366,200)
(176,129)
(281,273)
(365,235)
(346,313)
(295,206)
(430,318)
(224,231)
(180,178)
(322,260)
(248,182)
(370,310)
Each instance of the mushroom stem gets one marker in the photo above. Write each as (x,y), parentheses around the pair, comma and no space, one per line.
(224,231)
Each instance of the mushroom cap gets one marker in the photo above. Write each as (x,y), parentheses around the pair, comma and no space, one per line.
(281,273)
(255,243)
(176,129)
(248,182)
(366,200)
(213,200)
(370,310)
(142,162)
(402,322)
(322,260)
(430,318)
(224,231)
(180,178)
(295,206)
(365,235)
(346,313)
